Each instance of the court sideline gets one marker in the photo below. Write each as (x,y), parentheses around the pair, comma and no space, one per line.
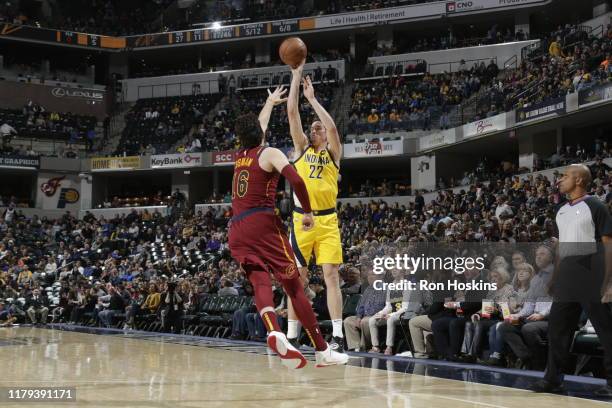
(136,370)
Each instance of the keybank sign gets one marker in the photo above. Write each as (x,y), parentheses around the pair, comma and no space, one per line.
(176,160)
(77,93)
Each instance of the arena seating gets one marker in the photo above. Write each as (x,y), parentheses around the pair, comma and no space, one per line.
(571,65)
(134,17)
(192,251)
(156,124)
(40,124)
(403,103)
(541,76)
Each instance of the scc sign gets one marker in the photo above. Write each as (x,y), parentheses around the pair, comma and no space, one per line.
(224,157)
(64,92)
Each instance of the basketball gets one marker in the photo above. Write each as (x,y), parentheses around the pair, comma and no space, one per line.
(292,51)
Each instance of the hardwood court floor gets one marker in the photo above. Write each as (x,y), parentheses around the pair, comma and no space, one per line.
(119,371)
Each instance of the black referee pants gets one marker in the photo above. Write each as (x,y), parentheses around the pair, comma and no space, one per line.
(563,322)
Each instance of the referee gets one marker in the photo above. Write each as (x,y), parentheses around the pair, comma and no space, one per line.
(582,277)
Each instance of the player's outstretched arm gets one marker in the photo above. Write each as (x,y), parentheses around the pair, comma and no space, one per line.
(274,98)
(273,159)
(300,141)
(333,137)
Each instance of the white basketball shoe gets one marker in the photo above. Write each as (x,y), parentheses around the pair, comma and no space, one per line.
(291,357)
(330,357)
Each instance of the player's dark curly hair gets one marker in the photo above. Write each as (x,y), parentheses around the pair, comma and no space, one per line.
(248,131)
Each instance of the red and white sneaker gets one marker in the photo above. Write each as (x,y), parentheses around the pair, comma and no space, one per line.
(291,357)
(330,357)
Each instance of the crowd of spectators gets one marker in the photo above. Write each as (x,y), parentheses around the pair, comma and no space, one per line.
(370,188)
(146,263)
(570,60)
(486,171)
(104,17)
(226,62)
(235,12)
(132,17)
(34,121)
(217,134)
(495,35)
(154,125)
(408,103)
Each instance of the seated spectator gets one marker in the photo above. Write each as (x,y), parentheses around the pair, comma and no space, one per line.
(37,307)
(227,288)
(356,327)
(524,331)
(113,304)
(396,303)
(448,331)
(487,319)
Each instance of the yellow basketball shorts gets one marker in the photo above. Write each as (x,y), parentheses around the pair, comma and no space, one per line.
(323,240)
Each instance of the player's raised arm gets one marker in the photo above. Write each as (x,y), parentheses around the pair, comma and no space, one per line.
(274,98)
(300,141)
(333,137)
(273,159)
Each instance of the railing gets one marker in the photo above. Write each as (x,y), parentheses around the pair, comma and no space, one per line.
(527,50)
(177,89)
(456,64)
(511,62)
(598,31)
(379,70)
(527,90)
(265,80)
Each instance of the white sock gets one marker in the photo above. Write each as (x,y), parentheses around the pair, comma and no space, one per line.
(337,325)
(293,329)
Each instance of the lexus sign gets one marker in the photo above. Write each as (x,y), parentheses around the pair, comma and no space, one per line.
(77,93)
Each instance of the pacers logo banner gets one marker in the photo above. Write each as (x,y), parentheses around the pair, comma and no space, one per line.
(115,163)
(58,191)
(68,196)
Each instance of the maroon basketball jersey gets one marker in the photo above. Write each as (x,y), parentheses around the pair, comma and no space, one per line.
(252,186)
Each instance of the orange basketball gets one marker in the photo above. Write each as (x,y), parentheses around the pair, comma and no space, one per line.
(292,51)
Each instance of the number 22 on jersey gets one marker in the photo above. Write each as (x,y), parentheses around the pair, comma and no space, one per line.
(315,172)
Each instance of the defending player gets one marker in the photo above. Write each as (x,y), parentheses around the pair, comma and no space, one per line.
(257,237)
(317,161)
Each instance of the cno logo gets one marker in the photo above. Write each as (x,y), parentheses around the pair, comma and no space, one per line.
(62,92)
(463,5)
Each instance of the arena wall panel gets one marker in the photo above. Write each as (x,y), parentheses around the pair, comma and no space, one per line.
(82,101)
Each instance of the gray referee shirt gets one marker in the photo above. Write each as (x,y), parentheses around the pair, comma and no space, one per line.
(581,226)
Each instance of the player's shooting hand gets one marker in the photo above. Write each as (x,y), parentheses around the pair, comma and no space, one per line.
(299,69)
(307,222)
(308,88)
(276,97)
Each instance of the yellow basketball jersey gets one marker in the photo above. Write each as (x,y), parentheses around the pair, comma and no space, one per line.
(320,173)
